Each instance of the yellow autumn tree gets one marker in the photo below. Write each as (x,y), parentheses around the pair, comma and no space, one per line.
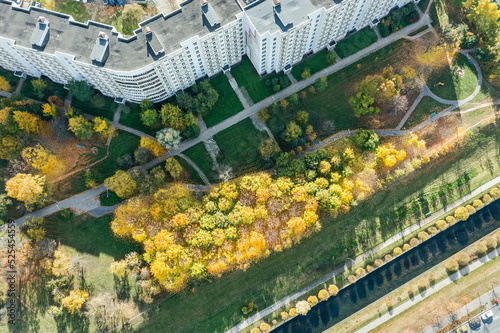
(4,84)
(75,300)
(27,188)
(50,110)
(28,122)
(39,158)
(153,146)
(389,155)
(4,115)
(102,126)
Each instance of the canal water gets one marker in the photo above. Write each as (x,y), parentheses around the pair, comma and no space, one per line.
(396,273)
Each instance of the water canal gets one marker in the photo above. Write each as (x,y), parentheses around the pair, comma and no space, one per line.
(396,273)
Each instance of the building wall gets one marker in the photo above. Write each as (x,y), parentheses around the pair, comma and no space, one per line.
(206,56)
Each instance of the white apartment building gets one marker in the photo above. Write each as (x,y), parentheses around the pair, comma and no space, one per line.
(168,53)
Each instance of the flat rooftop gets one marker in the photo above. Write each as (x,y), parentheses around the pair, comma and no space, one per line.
(262,15)
(79,40)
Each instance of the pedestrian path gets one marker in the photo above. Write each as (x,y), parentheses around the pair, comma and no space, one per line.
(232,81)
(201,173)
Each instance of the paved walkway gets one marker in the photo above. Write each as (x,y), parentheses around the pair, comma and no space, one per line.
(201,173)
(430,291)
(246,103)
(339,270)
(19,86)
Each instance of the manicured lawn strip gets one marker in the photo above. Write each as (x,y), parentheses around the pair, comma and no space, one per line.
(240,144)
(75,9)
(132,119)
(218,304)
(52,89)
(333,104)
(424,109)
(247,77)
(107,111)
(122,144)
(355,43)
(455,87)
(228,103)
(315,63)
(191,175)
(419,30)
(10,77)
(466,288)
(423,4)
(199,154)
(109,198)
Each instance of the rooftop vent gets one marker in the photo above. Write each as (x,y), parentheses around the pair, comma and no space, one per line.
(282,15)
(100,51)
(209,13)
(40,35)
(153,41)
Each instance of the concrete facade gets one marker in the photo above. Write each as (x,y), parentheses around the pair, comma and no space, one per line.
(168,53)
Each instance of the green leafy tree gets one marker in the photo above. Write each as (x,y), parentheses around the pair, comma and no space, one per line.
(366,139)
(39,87)
(146,104)
(269,148)
(80,90)
(122,184)
(82,127)
(306,74)
(331,57)
(292,131)
(302,118)
(294,99)
(149,117)
(173,167)
(362,104)
(4,203)
(321,84)
(173,117)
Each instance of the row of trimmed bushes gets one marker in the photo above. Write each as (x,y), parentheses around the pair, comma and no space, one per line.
(461,259)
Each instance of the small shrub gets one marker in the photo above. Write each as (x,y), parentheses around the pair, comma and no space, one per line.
(406,247)
(462,258)
(369,268)
(274,322)
(312,300)
(323,295)
(378,262)
(441,225)
(451,265)
(414,242)
(432,277)
(461,214)
(351,279)
(410,290)
(491,242)
(292,312)
(360,272)
(387,257)
(422,284)
(333,290)
(481,249)
(495,193)
(432,230)
(284,315)
(470,209)
(265,327)
(255,330)
(388,302)
(423,236)
(487,199)
(477,204)
(397,251)
(451,220)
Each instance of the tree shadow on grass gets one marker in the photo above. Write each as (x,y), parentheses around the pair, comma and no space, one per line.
(122,287)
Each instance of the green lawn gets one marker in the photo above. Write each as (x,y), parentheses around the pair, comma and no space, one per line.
(240,146)
(79,11)
(199,154)
(132,119)
(355,43)
(315,63)
(109,198)
(333,103)
(228,103)
(247,77)
(423,4)
(455,87)
(122,144)
(99,105)
(10,77)
(217,303)
(424,109)
(52,89)
(191,176)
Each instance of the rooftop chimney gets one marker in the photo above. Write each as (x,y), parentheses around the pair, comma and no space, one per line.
(209,13)
(100,51)
(277,2)
(153,41)
(40,35)
(204,2)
